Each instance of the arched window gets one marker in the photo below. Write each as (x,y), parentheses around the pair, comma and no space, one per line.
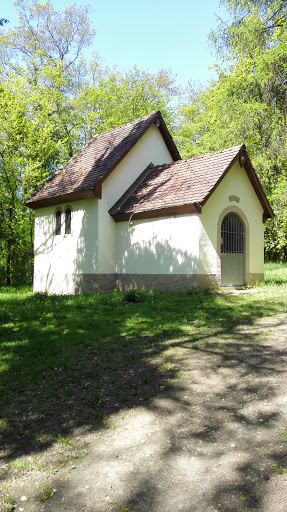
(58,222)
(232,235)
(68,217)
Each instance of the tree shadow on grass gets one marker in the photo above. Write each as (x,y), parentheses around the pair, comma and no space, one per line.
(229,427)
(218,436)
(73,362)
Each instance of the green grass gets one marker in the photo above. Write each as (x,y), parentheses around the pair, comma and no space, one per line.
(46,493)
(275,273)
(71,361)
(279,469)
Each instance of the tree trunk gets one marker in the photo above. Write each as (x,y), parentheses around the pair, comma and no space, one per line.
(8,264)
(9,254)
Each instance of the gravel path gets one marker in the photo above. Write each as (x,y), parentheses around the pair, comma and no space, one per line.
(214,439)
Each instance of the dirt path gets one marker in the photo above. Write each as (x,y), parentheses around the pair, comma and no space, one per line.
(207,440)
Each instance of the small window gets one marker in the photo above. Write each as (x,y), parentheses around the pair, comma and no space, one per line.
(68,216)
(58,222)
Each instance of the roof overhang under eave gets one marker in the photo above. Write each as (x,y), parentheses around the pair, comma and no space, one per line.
(160,212)
(65,198)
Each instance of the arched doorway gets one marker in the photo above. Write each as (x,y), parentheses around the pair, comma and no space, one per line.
(232,251)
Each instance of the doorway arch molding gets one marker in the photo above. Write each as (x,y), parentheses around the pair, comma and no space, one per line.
(234,209)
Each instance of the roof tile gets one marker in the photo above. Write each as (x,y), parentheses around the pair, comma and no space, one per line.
(95,160)
(179,183)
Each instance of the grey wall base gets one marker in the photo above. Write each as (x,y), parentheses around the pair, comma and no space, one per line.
(254,278)
(168,282)
(85,283)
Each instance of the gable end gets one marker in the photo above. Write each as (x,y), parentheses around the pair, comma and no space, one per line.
(244,162)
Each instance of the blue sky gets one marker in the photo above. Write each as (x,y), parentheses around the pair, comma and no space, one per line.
(154,34)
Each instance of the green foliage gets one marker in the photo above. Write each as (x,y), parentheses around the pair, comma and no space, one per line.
(275,273)
(121,508)
(65,440)
(247,104)
(252,26)
(51,103)
(46,493)
(134,295)
(29,150)
(279,469)
(7,503)
(46,37)
(119,98)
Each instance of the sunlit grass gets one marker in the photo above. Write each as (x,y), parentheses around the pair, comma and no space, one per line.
(276,273)
(67,361)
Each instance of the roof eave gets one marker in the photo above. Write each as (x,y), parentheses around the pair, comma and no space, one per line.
(64,198)
(157,212)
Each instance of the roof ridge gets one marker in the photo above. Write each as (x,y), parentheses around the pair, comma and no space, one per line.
(130,122)
(223,150)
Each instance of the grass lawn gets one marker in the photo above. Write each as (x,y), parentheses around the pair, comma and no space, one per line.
(68,362)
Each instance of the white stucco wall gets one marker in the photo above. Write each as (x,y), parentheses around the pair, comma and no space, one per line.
(58,257)
(190,244)
(237,183)
(150,148)
(159,246)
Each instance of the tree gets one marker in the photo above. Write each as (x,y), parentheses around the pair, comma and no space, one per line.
(29,151)
(51,102)
(119,98)
(247,103)
(46,48)
(45,37)
(252,26)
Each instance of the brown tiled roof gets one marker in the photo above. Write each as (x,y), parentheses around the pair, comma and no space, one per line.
(182,186)
(86,170)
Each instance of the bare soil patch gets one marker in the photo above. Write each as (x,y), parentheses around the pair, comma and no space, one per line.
(212,437)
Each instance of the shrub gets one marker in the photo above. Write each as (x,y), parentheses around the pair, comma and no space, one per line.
(134,295)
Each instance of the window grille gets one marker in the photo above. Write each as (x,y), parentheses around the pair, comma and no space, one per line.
(232,235)
(68,215)
(58,222)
